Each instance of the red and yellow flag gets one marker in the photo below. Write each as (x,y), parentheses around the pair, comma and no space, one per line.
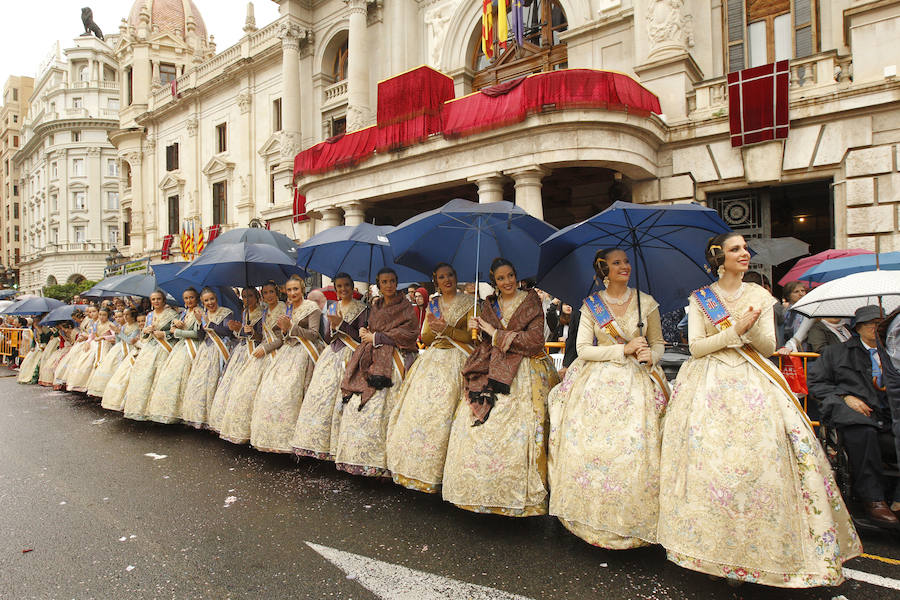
(183,240)
(200,243)
(487,28)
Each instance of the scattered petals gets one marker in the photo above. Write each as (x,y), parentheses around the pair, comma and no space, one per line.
(27,550)
(156,456)
(62,503)
(230,500)
(123,538)
(129,568)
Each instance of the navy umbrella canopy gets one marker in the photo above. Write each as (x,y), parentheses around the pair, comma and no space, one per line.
(665,245)
(255,235)
(360,251)
(168,281)
(469,236)
(128,284)
(60,314)
(35,305)
(240,265)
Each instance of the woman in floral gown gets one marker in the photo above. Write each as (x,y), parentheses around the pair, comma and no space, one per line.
(28,370)
(217,340)
(86,326)
(280,394)
(497,454)
(419,428)
(125,339)
(101,336)
(51,353)
(320,416)
(606,416)
(156,343)
(235,422)
(249,333)
(745,489)
(373,374)
(168,391)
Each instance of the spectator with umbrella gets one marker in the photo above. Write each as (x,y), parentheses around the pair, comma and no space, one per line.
(496,456)
(374,372)
(318,423)
(167,395)
(608,414)
(419,428)
(280,394)
(234,425)
(758,506)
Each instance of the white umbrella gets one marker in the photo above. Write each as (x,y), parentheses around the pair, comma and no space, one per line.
(841,297)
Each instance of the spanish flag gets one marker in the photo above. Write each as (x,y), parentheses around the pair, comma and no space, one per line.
(487,28)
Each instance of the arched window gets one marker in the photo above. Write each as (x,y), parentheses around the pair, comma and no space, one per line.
(76,278)
(51,280)
(541,49)
(339,69)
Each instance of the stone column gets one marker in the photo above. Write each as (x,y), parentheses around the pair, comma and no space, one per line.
(354,213)
(490,187)
(528,189)
(290,35)
(358,113)
(331,217)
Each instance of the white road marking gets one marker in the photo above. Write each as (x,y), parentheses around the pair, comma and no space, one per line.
(395,582)
(878,580)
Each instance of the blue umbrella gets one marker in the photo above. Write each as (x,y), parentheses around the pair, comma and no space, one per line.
(4,294)
(835,268)
(360,251)
(33,306)
(665,245)
(168,281)
(256,235)
(59,315)
(470,236)
(128,284)
(240,265)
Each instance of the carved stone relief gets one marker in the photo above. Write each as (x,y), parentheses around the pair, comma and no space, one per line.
(668,28)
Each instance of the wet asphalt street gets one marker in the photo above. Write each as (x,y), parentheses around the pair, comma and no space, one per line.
(96,506)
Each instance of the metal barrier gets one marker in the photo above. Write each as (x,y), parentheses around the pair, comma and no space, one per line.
(11,340)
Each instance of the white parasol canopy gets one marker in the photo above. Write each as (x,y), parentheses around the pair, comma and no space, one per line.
(841,297)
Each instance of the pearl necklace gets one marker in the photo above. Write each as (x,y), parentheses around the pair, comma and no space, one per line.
(621,300)
(735,295)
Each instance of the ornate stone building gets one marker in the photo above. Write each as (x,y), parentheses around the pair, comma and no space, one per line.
(68,169)
(234,120)
(16,93)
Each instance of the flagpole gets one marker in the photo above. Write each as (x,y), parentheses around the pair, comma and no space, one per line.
(477,263)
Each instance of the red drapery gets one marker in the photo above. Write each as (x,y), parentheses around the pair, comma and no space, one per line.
(167,246)
(340,151)
(568,88)
(299,213)
(213,233)
(409,107)
(758,103)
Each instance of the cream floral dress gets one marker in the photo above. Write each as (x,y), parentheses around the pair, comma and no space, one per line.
(168,391)
(419,427)
(235,421)
(745,489)
(111,360)
(240,356)
(146,366)
(500,467)
(319,420)
(605,433)
(207,367)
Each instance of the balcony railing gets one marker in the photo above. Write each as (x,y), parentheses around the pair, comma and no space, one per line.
(335,92)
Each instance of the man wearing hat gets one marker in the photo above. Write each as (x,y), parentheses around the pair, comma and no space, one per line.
(847,379)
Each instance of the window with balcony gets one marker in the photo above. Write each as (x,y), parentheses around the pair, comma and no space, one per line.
(79,200)
(79,234)
(174,217)
(220,200)
(112,200)
(112,234)
(221,137)
(167,73)
(112,167)
(84,74)
(171,159)
(78,167)
(54,236)
(541,48)
(765,31)
(339,68)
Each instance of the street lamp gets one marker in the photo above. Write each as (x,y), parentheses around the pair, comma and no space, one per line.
(113,258)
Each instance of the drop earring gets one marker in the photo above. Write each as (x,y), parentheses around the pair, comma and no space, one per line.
(721,271)
(606,282)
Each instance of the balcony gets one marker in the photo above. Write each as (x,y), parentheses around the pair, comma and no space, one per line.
(334,93)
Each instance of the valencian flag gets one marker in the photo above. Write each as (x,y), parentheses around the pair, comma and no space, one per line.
(190,240)
(518,22)
(183,240)
(502,32)
(487,28)
(201,245)
(167,246)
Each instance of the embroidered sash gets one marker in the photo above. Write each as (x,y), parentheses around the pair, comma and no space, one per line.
(715,311)
(607,322)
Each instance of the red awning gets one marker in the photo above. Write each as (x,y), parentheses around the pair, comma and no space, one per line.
(340,151)
(409,107)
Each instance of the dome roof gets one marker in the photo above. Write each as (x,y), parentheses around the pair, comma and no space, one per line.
(169,15)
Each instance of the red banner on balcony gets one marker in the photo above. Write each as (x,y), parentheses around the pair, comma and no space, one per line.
(409,107)
(167,246)
(340,151)
(758,103)
(299,213)
(511,102)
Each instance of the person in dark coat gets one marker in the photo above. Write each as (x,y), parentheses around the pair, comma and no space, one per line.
(848,381)
(889,349)
(825,332)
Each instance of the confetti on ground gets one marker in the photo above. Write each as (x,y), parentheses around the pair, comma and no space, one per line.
(27,550)
(604,565)
(62,503)
(98,421)
(123,538)
(156,456)
(230,500)
(129,568)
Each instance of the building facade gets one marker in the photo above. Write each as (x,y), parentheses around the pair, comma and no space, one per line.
(16,94)
(235,119)
(68,169)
